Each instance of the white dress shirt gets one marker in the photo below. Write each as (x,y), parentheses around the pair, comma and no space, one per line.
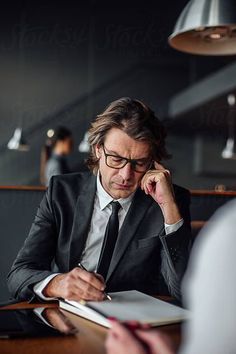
(101,213)
(210,287)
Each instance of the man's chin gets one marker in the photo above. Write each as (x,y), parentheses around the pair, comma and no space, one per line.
(122,193)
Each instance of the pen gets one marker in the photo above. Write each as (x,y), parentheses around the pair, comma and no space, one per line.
(82,267)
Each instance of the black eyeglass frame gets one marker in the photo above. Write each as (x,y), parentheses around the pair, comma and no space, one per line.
(133,162)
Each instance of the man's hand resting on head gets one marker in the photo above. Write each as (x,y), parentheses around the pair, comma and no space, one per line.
(78,284)
(157,183)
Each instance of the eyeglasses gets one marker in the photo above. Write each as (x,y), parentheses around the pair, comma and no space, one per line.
(116,161)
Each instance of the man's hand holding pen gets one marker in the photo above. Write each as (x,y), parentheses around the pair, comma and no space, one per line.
(78,284)
(107,297)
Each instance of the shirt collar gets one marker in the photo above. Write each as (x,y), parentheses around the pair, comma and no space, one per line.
(104,198)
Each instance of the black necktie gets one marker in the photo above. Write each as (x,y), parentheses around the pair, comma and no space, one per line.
(109,241)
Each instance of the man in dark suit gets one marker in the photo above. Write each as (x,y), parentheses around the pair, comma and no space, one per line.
(126,223)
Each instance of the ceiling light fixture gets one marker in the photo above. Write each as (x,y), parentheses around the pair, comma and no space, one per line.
(17,142)
(84,145)
(228,152)
(50,133)
(206,27)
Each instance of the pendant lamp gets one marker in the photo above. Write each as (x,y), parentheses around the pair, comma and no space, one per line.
(17,142)
(206,27)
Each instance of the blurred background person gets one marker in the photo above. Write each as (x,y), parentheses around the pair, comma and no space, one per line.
(54,153)
(209,291)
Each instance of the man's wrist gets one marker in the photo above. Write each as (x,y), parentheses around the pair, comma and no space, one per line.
(40,286)
(171,228)
(171,213)
(50,289)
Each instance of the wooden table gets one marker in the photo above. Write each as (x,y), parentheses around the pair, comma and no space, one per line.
(89,339)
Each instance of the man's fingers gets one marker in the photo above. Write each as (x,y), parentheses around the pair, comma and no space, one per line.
(148,180)
(85,291)
(96,281)
(100,277)
(75,285)
(79,284)
(158,166)
(153,177)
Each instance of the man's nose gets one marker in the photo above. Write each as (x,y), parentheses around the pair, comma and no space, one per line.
(126,172)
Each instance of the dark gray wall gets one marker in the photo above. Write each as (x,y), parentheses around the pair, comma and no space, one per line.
(63,63)
(18,208)
(197,164)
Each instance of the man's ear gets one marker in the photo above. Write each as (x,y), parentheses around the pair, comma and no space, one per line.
(98,151)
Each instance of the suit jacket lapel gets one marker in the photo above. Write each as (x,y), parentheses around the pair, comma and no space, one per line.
(82,216)
(136,212)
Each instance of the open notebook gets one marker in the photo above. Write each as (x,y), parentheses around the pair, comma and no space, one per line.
(125,306)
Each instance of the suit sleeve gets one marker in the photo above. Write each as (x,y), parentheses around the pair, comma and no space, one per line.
(33,262)
(176,247)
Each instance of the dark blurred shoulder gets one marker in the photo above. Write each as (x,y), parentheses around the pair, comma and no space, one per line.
(181,191)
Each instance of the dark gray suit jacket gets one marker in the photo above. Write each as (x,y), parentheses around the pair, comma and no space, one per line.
(144,258)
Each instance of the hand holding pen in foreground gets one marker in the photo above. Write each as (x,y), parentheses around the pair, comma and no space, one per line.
(107,297)
(140,339)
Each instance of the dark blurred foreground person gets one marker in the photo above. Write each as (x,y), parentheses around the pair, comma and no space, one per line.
(54,153)
(209,290)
